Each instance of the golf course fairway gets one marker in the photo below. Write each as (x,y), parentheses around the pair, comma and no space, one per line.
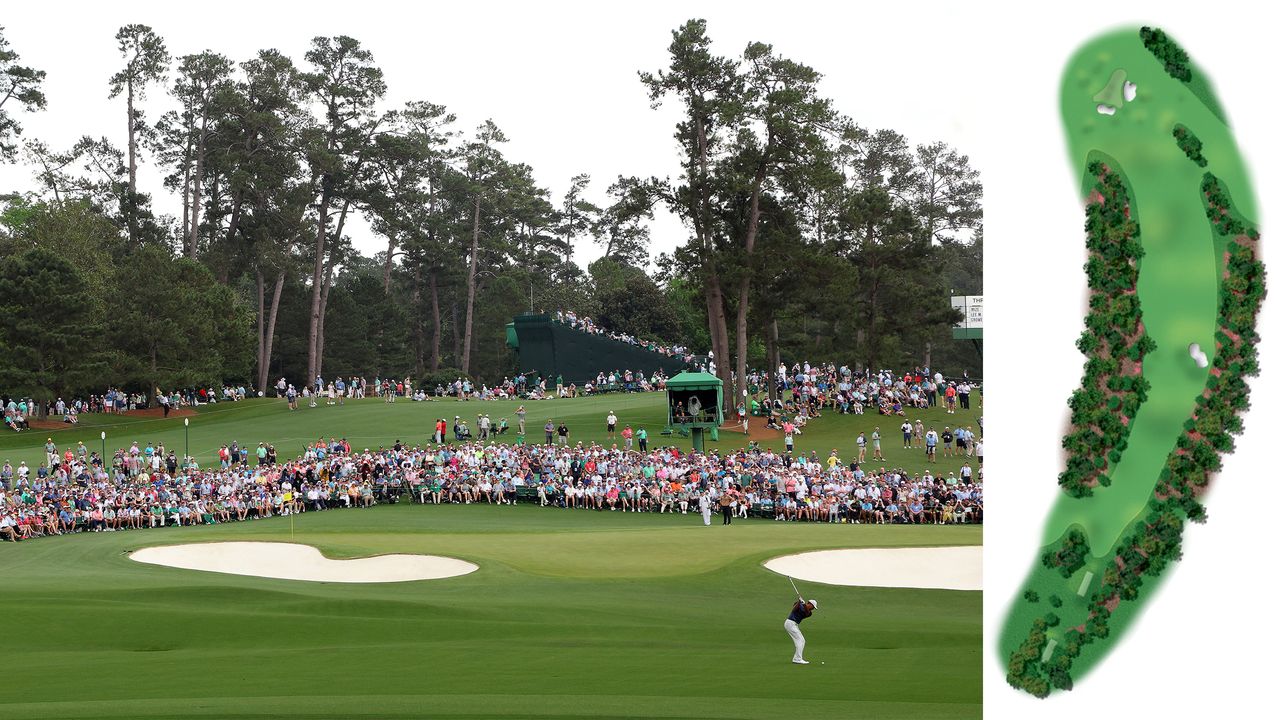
(570,614)
(1198,281)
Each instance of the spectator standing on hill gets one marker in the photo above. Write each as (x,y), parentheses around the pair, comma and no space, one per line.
(931,445)
(520,413)
(563,431)
(875,444)
(862,447)
(947,437)
(627,434)
(726,506)
(906,434)
(611,425)
(642,436)
(550,429)
(963,391)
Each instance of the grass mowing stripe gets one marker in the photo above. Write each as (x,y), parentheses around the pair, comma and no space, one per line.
(625,616)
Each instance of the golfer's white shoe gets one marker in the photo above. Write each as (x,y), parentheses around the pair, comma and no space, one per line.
(800,662)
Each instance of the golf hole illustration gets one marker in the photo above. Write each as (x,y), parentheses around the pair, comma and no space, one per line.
(939,568)
(290,561)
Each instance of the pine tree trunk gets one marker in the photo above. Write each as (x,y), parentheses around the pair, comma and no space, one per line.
(324,307)
(457,336)
(132,219)
(193,242)
(719,333)
(416,304)
(386,269)
(317,280)
(270,336)
(774,359)
(133,144)
(471,288)
(262,301)
(435,321)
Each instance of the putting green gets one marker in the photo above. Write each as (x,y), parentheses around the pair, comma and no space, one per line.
(1178,284)
(572,614)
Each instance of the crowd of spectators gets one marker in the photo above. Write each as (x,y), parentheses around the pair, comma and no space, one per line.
(145,486)
(586,325)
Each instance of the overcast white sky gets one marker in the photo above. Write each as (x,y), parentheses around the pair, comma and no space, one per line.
(558,78)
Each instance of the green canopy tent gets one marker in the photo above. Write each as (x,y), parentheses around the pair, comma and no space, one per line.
(694,401)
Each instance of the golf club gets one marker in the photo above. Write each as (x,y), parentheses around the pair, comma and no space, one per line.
(793,587)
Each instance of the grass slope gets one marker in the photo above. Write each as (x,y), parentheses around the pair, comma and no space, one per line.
(372,423)
(572,614)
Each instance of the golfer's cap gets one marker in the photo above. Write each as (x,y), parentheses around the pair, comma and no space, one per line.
(814,603)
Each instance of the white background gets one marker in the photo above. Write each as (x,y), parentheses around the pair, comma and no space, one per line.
(1206,645)
(560,80)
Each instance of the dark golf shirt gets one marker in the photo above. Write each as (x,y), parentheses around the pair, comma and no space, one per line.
(798,613)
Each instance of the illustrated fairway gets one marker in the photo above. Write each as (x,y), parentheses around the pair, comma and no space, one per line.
(1117,528)
(571,614)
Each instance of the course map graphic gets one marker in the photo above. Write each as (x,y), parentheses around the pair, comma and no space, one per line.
(1175,285)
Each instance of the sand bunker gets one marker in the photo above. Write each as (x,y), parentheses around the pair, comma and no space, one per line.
(288,561)
(1198,355)
(945,568)
(1106,110)
(1130,91)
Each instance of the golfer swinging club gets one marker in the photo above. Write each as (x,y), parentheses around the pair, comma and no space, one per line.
(801,610)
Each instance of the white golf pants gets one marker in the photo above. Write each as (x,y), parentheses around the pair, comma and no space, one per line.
(796,636)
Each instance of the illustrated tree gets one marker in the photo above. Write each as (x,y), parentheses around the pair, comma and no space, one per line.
(23,86)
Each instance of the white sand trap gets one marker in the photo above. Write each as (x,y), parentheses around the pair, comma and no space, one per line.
(1198,355)
(1130,91)
(289,561)
(1104,109)
(945,568)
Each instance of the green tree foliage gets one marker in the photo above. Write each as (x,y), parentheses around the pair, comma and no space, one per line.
(48,326)
(639,308)
(146,61)
(21,85)
(809,237)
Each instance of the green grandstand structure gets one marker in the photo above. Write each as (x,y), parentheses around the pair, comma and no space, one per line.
(551,349)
